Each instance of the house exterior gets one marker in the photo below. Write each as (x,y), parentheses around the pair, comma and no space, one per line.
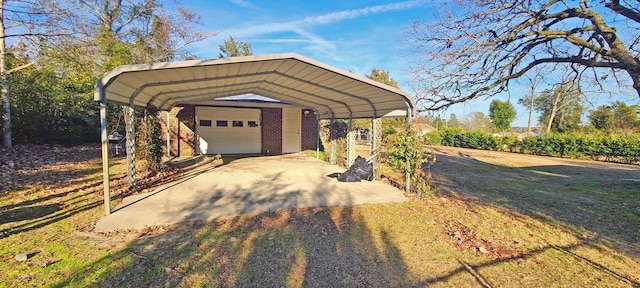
(520,136)
(422,128)
(239,127)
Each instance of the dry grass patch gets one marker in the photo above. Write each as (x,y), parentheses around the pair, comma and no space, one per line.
(490,225)
(370,245)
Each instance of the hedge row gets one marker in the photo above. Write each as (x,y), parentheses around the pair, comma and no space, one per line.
(613,148)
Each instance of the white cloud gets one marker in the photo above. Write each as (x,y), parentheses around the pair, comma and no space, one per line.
(324,19)
(301,27)
(243,3)
(355,13)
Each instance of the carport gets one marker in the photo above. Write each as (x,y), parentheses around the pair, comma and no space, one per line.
(330,92)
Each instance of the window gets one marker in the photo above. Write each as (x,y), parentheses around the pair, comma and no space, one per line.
(238,123)
(222,123)
(252,123)
(205,123)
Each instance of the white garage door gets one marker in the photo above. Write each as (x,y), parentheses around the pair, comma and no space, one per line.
(228,130)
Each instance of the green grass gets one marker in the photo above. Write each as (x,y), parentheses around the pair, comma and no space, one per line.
(564,227)
(315,154)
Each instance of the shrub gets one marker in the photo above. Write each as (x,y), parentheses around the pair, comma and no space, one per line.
(624,148)
(432,138)
(451,137)
(508,142)
(405,154)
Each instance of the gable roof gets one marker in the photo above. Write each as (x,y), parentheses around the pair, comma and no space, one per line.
(291,78)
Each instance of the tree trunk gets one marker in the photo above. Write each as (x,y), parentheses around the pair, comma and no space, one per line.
(4,81)
(531,109)
(554,109)
(635,76)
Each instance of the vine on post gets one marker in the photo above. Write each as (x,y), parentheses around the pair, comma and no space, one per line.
(150,140)
(406,154)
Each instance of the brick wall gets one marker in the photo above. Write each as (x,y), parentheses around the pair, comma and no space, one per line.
(271,131)
(309,130)
(182,137)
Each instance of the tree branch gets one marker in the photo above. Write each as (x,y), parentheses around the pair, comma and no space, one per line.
(615,6)
(19,68)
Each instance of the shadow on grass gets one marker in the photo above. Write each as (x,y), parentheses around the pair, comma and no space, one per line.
(73,197)
(316,247)
(335,247)
(29,165)
(37,216)
(589,198)
(473,270)
(331,247)
(311,247)
(40,212)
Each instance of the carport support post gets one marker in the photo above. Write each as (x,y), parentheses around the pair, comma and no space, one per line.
(407,186)
(131,144)
(318,138)
(168,135)
(332,142)
(351,144)
(105,156)
(375,142)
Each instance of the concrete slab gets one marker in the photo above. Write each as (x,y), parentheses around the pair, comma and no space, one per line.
(246,186)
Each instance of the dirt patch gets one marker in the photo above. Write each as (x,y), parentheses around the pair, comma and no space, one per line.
(586,197)
(466,238)
(523,160)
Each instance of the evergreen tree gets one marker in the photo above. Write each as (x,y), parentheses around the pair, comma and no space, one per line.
(233,48)
(502,114)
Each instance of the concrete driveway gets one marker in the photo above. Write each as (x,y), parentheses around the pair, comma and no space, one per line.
(245,186)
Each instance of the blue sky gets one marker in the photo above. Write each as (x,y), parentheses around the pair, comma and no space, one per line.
(350,35)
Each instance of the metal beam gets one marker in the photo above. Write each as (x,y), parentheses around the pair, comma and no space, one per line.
(407,174)
(105,156)
(318,135)
(168,134)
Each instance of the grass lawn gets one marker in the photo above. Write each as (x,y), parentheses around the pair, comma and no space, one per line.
(497,219)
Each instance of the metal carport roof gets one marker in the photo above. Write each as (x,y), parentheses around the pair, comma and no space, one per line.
(331,92)
(291,78)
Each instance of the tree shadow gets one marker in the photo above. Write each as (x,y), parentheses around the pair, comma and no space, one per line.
(27,165)
(66,199)
(321,246)
(473,269)
(581,197)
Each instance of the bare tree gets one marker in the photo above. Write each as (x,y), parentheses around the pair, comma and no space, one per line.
(535,79)
(476,121)
(151,31)
(476,48)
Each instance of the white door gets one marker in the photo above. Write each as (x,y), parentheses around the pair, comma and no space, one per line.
(222,130)
(291,123)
